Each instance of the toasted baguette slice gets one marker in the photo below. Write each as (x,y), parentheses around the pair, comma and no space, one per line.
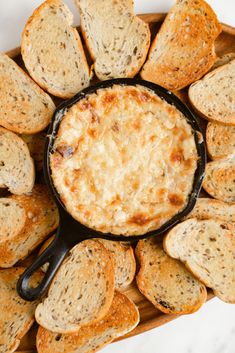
(165,282)
(52,50)
(206,208)
(39,218)
(122,317)
(213,96)
(207,247)
(117,40)
(16,166)
(219,179)
(223,59)
(81,292)
(124,262)
(24,107)
(220,140)
(36,145)
(17,315)
(183,50)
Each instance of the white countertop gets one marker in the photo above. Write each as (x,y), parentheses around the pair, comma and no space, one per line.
(212,328)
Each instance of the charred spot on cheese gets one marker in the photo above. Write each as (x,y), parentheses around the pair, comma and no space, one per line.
(175,200)
(133,160)
(109,98)
(177,155)
(115,126)
(139,219)
(65,151)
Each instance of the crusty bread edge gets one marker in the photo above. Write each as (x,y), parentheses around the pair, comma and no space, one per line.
(187,310)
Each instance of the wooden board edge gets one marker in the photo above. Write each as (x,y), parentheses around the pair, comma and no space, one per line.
(161,320)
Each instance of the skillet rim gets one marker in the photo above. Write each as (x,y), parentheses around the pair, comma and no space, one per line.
(170,98)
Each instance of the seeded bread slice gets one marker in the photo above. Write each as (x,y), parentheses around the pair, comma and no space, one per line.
(17,315)
(165,282)
(117,40)
(220,140)
(207,247)
(213,97)
(24,107)
(223,59)
(16,166)
(124,262)
(52,50)
(183,49)
(206,208)
(82,290)
(219,179)
(122,317)
(39,218)
(36,145)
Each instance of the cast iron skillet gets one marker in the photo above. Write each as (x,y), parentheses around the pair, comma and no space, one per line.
(70,231)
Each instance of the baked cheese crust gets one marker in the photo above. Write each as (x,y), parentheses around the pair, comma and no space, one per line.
(124,160)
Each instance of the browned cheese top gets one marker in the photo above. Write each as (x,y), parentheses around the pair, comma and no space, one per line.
(124,160)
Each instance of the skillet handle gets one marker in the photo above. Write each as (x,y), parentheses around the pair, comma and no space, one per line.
(54,255)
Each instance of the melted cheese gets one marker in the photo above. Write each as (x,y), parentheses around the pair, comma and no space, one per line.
(124,160)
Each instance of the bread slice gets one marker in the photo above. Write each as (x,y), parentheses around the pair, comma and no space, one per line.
(213,96)
(223,59)
(122,317)
(219,179)
(220,140)
(207,247)
(38,217)
(206,208)
(165,282)
(124,262)
(16,166)
(52,50)
(24,107)
(36,145)
(118,41)
(183,49)
(17,315)
(81,291)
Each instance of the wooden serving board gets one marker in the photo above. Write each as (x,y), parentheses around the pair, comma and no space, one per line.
(150,317)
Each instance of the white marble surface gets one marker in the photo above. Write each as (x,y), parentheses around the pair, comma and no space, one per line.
(212,328)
